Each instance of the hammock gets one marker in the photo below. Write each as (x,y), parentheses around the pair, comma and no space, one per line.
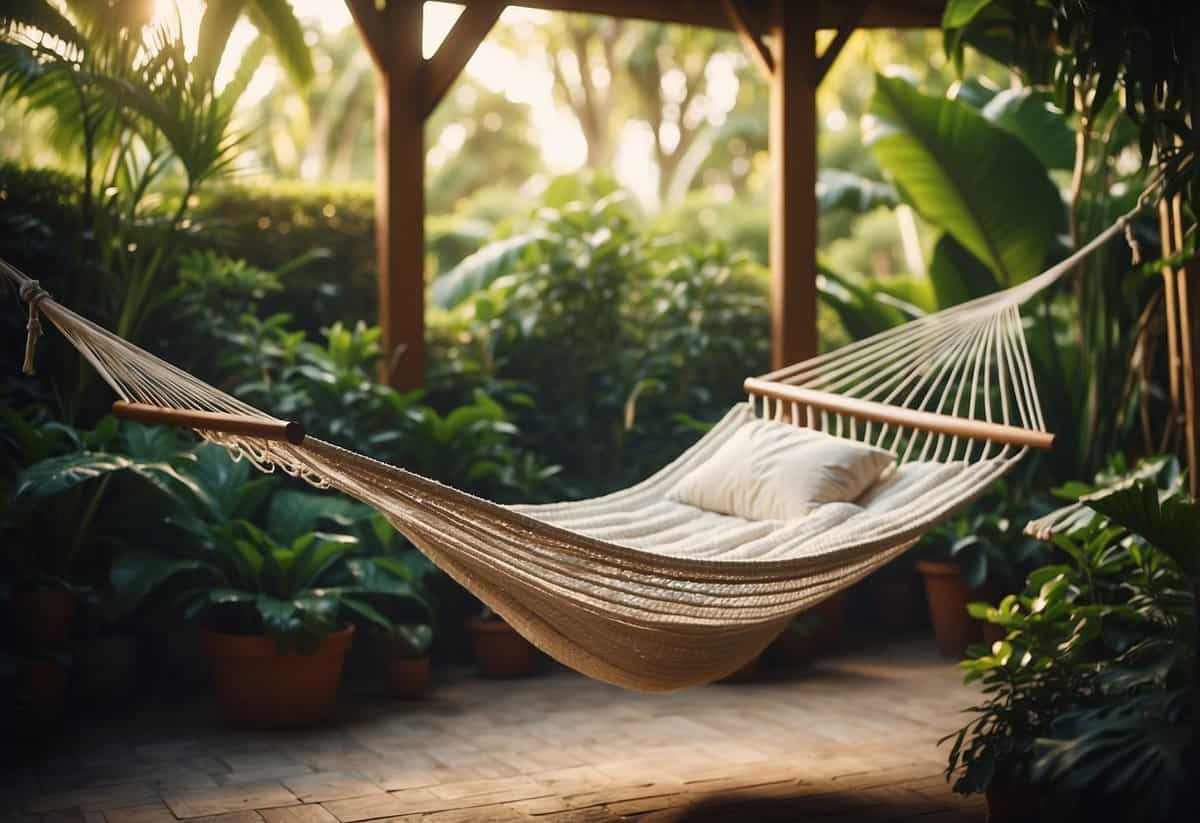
(633,588)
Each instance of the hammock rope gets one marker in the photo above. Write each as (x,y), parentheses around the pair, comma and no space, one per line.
(632,587)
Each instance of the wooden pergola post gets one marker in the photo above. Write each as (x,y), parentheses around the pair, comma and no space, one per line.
(793,148)
(410,88)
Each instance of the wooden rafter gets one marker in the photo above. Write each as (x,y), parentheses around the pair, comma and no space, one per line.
(854,12)
(881,14)
(451,58)
(751,40)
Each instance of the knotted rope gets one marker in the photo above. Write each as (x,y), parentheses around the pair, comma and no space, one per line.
(32,293)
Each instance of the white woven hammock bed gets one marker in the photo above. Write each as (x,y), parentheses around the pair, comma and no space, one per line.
(634,588)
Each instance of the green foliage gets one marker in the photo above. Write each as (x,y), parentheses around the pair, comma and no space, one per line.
(331,389)
(74,490)
(299,575)
(145,123)
(1142,56)
(1091,692)
(838,189)
(1034,118)
(332,226)
(977,181)
(243,581)
(986,541)
(604,336)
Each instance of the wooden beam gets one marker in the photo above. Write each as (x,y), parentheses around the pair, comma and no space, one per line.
(854,12)
(451,58)
(881,14)
(751,41)
(793,151)
(400,195)
(875,412)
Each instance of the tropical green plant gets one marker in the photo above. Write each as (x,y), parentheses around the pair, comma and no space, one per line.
(1141,55)
(331,388)
(241,580)
(608,342)
(1092,695)
(137,111)
(1086,337)
(987,542)
(76,488)
(294,577)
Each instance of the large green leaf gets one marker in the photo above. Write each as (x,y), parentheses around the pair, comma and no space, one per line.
(1032,116)
(56,475)
(136,575)
(40,15)
(479,270)
(220,16)
(959,13)
(967,176)
(957,275)
(293,513)
(1172,525)
(839,189)
(276,20)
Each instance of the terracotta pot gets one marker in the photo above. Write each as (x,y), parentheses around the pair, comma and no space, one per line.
(408,677)
(1013,801)
(948,595)
(257,685)
(44,617)
(795,647)
(499,650)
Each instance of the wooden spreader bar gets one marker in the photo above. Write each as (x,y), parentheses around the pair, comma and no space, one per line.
(896,415)
(284,430)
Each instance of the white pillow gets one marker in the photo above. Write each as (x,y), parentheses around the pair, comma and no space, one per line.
(774,471)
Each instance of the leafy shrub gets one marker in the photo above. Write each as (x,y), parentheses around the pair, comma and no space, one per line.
(606,339)
(331,389)
(75,494)
(323,236)
(1091,694)
(286,578)
(271,226)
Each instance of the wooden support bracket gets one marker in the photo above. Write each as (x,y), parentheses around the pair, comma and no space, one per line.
(256,427)
(752,41)
(460,44)
(854,13)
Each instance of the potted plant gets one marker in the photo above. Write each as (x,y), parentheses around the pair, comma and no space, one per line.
(277,619)
(499,650)
(1089,694)
(972,557)
(69,496)
(407,649)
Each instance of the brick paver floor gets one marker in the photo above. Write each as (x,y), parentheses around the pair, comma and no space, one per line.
(849,739)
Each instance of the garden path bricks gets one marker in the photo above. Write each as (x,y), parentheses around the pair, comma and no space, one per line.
(851,739)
